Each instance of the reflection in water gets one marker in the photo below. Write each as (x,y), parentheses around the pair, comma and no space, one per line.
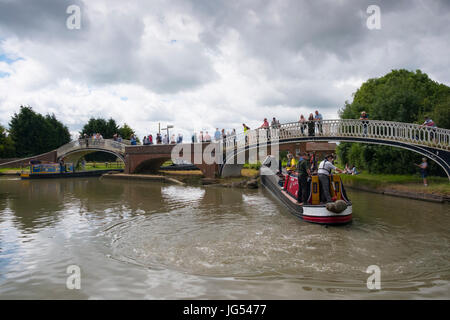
(154,240)
(176,196)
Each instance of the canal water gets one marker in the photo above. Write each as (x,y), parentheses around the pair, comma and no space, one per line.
(142,240)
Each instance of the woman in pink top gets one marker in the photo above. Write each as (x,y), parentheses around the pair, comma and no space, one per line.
(302,123)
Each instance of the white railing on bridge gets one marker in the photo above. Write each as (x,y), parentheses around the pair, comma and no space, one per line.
(85,144)
(366,129)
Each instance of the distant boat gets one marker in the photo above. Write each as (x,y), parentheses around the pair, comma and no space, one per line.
(180,165)
(285,186)
(53,170)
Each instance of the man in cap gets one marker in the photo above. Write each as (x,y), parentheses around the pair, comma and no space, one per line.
(303,169)
(324,172)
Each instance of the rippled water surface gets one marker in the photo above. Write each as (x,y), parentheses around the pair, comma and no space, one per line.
(136,240)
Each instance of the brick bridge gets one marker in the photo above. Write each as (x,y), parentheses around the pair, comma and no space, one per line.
(142,159)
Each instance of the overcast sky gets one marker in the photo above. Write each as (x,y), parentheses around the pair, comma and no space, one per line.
(203,64)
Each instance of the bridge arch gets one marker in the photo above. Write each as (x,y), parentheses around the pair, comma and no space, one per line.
(151,165)
(74,156)
(75,150)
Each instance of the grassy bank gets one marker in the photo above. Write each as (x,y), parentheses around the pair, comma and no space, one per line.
(103,165)
(404,183)
(13,170)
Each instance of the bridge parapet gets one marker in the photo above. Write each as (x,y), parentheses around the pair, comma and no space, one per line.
(415,134)
(86,144)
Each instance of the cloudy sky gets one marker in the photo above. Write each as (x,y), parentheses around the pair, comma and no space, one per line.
(202,64)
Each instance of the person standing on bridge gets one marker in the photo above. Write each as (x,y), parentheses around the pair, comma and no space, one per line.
(233,137)
(364,116)
(246,129)
(133,140)
(265,124)
(303,173)
(194,137)
(217,135)
(302,122)
(318,117)
(207,137)
(158,138)
(275,123)
(324,172)
(311,125)
(431,125)
(86,140)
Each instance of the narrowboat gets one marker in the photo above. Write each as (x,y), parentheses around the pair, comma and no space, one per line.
(56,170)
(285,187)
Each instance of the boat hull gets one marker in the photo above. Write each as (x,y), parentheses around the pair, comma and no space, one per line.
(81,174)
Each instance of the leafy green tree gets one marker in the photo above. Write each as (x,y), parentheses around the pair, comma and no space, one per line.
(441,111)
(34,134)
(125,132)
(106,128)
(60,135)
(7,149)
(402,96)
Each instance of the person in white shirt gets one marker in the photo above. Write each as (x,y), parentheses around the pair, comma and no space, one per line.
(324,172)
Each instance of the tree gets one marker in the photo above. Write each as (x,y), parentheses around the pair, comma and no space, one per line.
(34,134)
(106,128)
(60,134)
(125,132)
(402,96)
(7,149)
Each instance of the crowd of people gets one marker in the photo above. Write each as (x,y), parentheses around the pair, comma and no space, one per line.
(313,124)
(95,138)
(206,137)
(162,139)
(309,126)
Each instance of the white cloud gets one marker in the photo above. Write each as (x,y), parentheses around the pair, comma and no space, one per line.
(201,65)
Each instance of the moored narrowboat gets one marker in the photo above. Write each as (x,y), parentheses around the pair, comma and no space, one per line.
(59,170)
